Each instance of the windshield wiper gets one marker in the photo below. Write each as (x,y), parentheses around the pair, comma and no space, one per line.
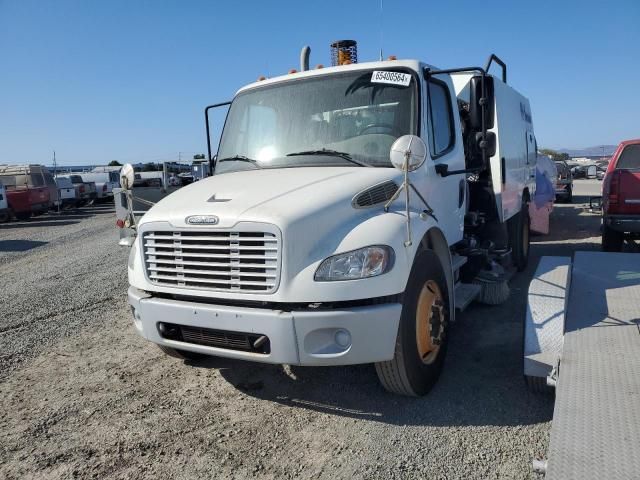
(239,158)
(329,153)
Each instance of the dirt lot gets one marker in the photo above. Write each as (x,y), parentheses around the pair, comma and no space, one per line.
(82,396)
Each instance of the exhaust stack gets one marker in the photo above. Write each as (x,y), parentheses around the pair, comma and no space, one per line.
(304,58)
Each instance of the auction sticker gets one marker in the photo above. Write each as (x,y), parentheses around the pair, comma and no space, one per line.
(392,78)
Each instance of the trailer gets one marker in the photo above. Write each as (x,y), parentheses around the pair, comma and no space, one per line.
(582,338)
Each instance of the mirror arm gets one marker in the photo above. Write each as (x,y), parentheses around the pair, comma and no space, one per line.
(206,119)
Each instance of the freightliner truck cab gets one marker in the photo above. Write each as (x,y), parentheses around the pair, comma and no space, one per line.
(351,210)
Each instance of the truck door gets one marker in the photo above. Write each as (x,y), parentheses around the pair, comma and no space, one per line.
(441,132)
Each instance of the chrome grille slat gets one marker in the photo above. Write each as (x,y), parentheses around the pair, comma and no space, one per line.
(211,237)
(206,255)
(189,246)
(206,280)
(225,273)
(222,261)
(162,261)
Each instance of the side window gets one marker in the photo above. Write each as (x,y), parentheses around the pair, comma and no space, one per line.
(37,180)
(441,132)
(49,179)
(630,157)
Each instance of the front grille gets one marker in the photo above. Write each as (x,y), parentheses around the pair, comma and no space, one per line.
(213,260)
(375,195)
(246,342)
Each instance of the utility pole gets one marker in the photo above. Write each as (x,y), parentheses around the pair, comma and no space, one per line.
(55,173)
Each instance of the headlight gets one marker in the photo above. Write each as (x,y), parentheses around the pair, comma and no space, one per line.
(362,263)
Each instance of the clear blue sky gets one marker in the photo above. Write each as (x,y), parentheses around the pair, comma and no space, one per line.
(128,80)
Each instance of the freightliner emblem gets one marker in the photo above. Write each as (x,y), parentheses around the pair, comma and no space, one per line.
(202,220)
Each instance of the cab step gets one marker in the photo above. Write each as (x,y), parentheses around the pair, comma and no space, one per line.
(465,293)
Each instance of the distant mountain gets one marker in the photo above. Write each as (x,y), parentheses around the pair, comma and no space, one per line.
(596,151)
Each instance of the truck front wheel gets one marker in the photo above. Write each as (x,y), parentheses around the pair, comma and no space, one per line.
(422,338)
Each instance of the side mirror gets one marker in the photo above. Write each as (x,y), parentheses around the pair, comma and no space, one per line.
(475,102)
(595,203)
(127,177)
(487,142)
(408,153)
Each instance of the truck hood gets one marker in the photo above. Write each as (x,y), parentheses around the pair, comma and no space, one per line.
(277,196)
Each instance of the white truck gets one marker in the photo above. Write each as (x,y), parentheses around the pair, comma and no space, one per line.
(105,183)
(67,195)
(351,210)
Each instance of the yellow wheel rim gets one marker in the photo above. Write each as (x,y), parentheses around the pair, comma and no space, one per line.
(430,322)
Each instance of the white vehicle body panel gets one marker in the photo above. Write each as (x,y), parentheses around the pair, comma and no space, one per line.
(515,144)
(304,200)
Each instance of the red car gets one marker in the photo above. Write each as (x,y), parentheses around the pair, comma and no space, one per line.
(621,197)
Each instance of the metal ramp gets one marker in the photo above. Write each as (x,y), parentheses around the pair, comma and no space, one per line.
(596,420)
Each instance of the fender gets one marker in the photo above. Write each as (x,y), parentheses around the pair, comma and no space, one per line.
(435,241)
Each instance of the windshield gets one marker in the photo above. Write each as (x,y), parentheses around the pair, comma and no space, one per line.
(289,124)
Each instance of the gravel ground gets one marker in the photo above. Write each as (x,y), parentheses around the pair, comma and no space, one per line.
(82,396)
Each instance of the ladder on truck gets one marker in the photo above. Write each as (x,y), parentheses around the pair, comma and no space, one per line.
(582,334)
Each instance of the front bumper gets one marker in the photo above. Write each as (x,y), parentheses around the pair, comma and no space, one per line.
(39,207)
(312,337)
(623,223)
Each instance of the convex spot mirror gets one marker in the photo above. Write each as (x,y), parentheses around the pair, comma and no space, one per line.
(127,177)
(410,150)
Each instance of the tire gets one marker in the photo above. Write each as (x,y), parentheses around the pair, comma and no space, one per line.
(181,354)
(519,235)
(5,217)
(538,385)
(612,240)
(421,343)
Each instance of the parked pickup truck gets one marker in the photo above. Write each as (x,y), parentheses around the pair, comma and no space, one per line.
(85,191)
(105,183)
(5,215)
(28,189)
(621,197)
(564,182)
(66,193)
